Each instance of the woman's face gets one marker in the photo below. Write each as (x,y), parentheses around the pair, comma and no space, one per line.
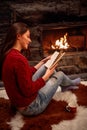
(24,40)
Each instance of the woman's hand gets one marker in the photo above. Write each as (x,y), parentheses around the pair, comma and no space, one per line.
(42,62)
(49,72)
(45,59)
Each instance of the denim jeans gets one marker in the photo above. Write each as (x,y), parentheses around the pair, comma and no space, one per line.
(46,93)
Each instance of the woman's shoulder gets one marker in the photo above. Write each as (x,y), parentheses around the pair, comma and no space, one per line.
(16,56)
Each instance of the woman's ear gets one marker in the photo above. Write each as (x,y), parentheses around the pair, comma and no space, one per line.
(18,36)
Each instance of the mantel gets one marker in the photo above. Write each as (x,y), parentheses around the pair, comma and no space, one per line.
(62,25)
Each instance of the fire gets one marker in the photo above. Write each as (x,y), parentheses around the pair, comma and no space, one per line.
(61,44)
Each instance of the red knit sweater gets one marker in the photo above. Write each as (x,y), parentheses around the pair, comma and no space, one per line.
(17,77)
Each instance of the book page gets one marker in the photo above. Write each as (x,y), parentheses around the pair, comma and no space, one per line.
(57,59)
(49,63)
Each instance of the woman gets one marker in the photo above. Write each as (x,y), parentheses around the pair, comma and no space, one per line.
(30,89)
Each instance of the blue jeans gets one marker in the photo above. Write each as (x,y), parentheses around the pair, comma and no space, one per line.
(46,93)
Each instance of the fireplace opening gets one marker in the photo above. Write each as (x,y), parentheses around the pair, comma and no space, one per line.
(76,38)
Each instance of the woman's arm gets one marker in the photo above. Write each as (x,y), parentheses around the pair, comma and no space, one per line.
(48,73)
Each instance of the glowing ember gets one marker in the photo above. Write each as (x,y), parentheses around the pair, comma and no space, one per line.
(61,44)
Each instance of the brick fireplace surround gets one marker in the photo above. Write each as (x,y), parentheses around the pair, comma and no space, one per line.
(51,20)
(74,62)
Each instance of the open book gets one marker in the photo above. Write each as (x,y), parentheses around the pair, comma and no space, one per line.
(56,56)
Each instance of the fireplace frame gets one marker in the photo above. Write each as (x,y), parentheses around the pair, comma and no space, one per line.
(66,26)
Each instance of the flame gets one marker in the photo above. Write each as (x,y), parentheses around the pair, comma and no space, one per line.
(61,44)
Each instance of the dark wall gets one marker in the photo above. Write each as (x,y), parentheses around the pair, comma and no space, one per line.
(69,8)
(83,2)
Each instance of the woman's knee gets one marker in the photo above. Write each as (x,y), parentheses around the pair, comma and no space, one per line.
(58,74)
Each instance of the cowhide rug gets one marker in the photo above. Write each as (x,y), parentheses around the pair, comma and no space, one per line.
(55,117)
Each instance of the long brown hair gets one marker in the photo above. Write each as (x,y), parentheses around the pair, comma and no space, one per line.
(10,39)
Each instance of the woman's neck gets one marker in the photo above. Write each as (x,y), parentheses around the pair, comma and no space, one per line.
(17,47)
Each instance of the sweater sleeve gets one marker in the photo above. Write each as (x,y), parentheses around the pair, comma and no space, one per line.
(33,69)
(23,74)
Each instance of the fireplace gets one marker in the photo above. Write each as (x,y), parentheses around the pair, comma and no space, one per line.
(74,62)
(76,38)
(49,22)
